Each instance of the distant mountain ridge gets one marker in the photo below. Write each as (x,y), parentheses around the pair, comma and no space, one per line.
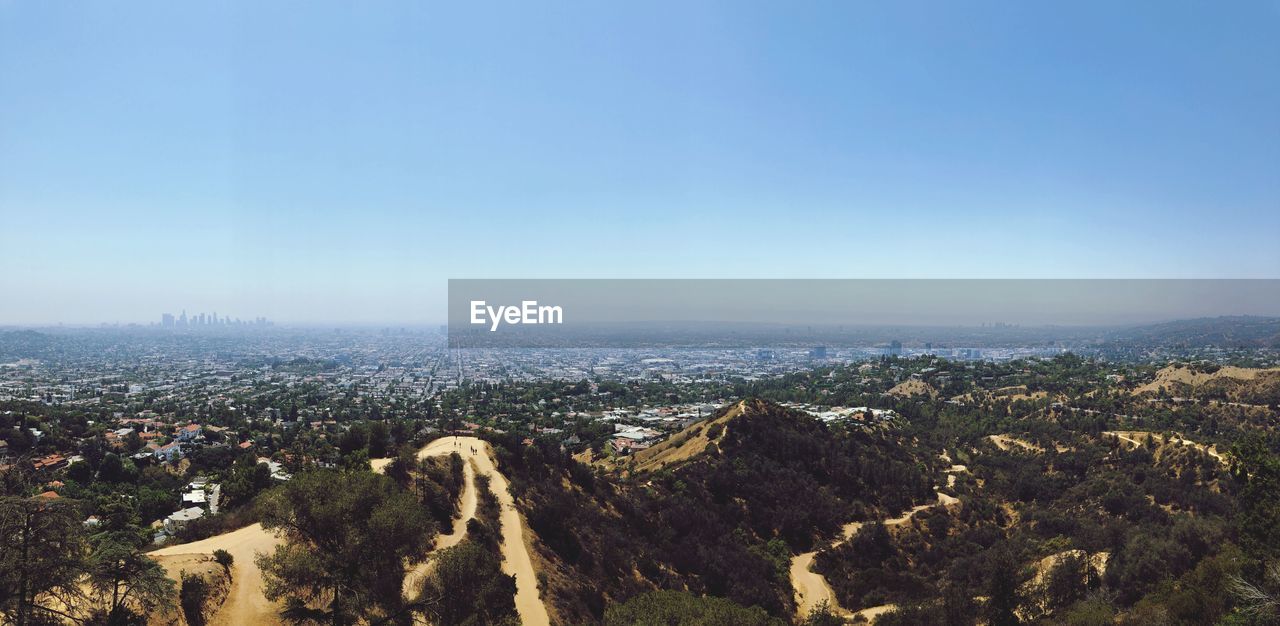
(1241,331)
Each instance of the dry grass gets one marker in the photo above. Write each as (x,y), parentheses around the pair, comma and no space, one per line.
(1180,379)
(685,444)
(913,387)
(1006,442)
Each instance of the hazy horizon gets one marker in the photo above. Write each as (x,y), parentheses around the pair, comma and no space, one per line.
(820,303)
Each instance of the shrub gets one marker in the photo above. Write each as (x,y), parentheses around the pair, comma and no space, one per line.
(223,558)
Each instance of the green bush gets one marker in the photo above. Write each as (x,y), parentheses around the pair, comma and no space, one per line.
(223,558)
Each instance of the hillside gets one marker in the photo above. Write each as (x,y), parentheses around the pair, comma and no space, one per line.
(1228,383)
(720,513)
(1221,332)
(685,444)
(911,388)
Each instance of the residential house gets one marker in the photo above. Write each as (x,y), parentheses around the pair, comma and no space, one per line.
(195,497)
(189,433)
(169,452)
(50,463)
(178,520)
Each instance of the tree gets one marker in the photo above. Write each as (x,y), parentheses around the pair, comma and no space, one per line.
(1067,582)
(467,586)
(248,478)
(1258,471)
(112,469)
(1258,588)
(1002,589)
(958,605)
(41,543)
(133,442)
(356,438)
(80,472)
(822,615)
(192,597)
(129,583)
(223,558)
(401,468)
(379,435)
(347,538)
(1261,601)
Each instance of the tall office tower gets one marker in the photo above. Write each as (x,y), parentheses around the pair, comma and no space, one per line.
(166,320)
(215,318)
(895,348)
(182,321)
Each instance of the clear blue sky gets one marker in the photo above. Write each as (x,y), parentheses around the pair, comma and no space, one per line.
(338,161)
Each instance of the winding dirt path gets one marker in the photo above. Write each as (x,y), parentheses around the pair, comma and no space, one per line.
(515,552)
(1004,442)
(1138,439)
(467,509)
(812,588)
(245,603)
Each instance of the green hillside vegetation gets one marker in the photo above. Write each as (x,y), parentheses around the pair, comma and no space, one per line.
(722,523)
(678,608)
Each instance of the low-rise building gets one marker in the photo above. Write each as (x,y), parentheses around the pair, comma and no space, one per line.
(195,497)
(189,433)
(169,452)
(179,519)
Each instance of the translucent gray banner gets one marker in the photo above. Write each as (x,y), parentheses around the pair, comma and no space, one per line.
(491,313)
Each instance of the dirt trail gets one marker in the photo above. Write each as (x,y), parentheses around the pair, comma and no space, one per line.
(1138,438)
(811,588)
(951,471)
(1005,441)
(245,603)
(515,552)
(413,578)
(870,614)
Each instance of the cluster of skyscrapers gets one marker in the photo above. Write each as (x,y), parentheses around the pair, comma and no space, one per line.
(167,320)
